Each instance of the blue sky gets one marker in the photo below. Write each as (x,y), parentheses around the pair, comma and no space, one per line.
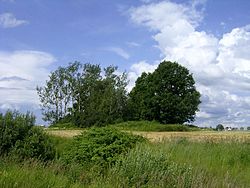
(211,38)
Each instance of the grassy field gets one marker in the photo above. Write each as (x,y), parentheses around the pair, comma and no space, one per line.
(186,164)
(214,136)
(190,159)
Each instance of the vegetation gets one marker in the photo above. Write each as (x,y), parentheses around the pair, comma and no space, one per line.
(19,137)
(227,162)
(148,167)
(83,95)
(152,126)
(99,146)
(176,163)
(167,95)
(219,127)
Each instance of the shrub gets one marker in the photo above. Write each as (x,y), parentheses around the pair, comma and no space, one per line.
(36,144)
(99,146)
(13,127)
(19,137)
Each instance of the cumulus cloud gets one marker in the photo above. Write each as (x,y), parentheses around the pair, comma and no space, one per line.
(221,66)
(136,70)
(21,72)
(8,20)
(119,51)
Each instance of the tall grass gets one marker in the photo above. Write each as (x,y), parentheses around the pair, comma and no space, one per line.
(228,162)
(182,164)
(175,163)
(33,173)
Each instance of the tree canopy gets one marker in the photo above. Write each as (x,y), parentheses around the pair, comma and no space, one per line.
(84,95)
(167,95)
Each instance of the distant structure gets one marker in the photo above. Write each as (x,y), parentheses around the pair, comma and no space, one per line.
(228,129)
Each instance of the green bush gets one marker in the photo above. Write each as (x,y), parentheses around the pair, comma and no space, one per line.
(99,146)
(36,144)
(20,138)
(14,127)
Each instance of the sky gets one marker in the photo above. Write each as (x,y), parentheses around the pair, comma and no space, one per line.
(209,37)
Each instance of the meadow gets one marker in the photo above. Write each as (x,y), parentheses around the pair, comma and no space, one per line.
(165,159)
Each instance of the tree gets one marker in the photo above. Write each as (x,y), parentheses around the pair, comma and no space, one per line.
(58,95)
(248,128)
(167,95)
(84,95)
(219,127)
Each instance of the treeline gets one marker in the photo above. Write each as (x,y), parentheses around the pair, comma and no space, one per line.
(86,95)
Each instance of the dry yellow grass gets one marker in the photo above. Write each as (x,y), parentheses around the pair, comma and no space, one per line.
(64,133)
(197,136)
(158,136)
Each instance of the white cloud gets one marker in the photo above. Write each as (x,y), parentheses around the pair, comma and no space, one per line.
(133,44)
(221,66)
(136,70)
(119,51)
(21,72)
(8,20)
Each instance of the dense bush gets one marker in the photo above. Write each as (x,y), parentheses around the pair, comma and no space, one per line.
(13,127)
(36,144)
(19,137)
(99,146)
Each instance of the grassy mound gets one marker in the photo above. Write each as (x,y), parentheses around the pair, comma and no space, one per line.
(152,126)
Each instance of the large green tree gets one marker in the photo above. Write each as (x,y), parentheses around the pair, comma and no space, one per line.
(167,95)
(84,95)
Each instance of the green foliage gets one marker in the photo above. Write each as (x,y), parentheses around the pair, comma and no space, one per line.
(61,144)
(14,127)
(34,174)
(167,95)
(152,126)
(19,137)
(176,163)
(99,146)
(219,127)
(84,95)
(68,125)
(225,163)
(36,144)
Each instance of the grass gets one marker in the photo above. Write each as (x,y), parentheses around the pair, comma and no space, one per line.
(179,163)
(64,133)
(180,159)
(182,163)
(152,126)
(226,162)
(203,136)
(30,174)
